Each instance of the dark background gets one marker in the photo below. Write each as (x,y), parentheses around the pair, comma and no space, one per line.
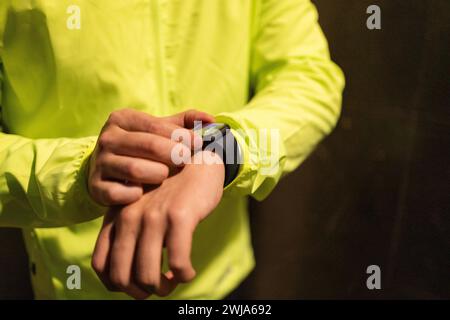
(377,191)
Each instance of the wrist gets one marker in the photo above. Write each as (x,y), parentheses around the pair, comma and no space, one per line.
(208,162)
(218,138)
(207,157)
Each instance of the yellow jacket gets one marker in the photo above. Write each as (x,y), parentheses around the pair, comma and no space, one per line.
(67,64)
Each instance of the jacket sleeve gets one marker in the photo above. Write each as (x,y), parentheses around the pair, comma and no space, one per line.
(43,181)
(297,98)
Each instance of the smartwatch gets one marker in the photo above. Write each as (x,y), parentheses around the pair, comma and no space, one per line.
(217,137)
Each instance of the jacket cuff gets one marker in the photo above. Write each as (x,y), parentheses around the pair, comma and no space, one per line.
(83,200)
(250,180)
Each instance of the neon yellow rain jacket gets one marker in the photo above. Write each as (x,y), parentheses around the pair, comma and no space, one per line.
(67,64)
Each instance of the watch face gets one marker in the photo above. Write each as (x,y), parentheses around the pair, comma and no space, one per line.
(214,129)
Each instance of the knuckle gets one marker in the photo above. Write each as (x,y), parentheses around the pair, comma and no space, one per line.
(97,265)
(177,215)
(110,195)
(128,217)
(96,193)
(134,170)
(95,186)
(163,173)
(105,139)
(178,265)
(152,125)
(118,280)
(102,159)
(150,145)
(147,281)
(117,116)
(159,174)
(114,117)
(153,218)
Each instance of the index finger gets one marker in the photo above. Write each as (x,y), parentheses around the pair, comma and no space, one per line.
(134,120)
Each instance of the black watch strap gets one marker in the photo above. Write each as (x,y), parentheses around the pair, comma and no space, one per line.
(217,137)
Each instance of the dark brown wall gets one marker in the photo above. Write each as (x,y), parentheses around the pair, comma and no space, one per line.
(375,192)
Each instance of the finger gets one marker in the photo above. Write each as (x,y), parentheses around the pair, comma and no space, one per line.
(149,252)
(135,292)
(135,120)
(168,284)
(148,146)
(111,193)
(179,242)
(187,118)
(123,248)
(100,257)
(169,129)
(190,138)
(102,254)
(140,171)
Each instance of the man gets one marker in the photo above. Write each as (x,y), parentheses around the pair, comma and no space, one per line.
(75,166)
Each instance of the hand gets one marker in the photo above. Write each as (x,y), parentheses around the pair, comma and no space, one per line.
(128,252)
(134,149)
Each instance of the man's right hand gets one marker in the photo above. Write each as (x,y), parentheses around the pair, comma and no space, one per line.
(133,150)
